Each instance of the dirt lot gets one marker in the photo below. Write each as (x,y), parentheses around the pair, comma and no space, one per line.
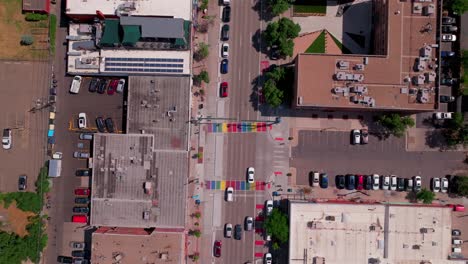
(13,26)
(14,220)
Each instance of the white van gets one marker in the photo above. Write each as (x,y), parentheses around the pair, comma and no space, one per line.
(75,85)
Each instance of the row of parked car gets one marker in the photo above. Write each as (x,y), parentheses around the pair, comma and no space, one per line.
(101,85)
(102,125)
(226,18)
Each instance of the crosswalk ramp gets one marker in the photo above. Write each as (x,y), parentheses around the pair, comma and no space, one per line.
(237,185)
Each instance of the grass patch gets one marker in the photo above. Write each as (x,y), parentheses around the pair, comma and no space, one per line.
(304,6)
(318,46)
(52,32)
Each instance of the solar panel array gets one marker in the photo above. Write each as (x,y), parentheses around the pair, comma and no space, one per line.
(144,65)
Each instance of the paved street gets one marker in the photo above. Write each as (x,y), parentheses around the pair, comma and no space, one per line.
(332,152)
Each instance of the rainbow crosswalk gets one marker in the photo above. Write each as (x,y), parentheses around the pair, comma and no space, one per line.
(238,127)
(237,185)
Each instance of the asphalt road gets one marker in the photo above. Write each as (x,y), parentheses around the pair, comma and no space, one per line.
(331,152)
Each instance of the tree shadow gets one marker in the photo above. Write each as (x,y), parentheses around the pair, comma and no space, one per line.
(435,139)
(411,197)
(255,94)
(263,11)
(257,42)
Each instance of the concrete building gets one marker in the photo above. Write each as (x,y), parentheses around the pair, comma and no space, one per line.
(336,233)
(399,75)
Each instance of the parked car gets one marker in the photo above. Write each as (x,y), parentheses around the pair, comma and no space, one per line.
(81,155)
(226,14)
(360,182)
(82,172)
(314,178)
(417,183)
(82,200)
(112,87)
(22,182)
(80,219)
(86,136)
(444,185)
(80,210)
(393,182)
(350,182)
(110,125)
(102,86)
(442,115)
(93,85)
(250,175)
(409,185)
(375,182)
(368,182)
(448,20)
(456,232)
(217,248)
(385,182)
(225,33)
(238,232)
(457,241)
(400,184)
(229,194)
(340,181)
(82,123)
(448,81)
(448,37)
(446,99)
(435,184)
(6,139)
(364,136)
(100,125)
(249,223)
(64,259)
(77,245)
(268,207)
(82,191)
(53,91)
(120,86)
(224,66)
(445,53)
(225,50)
(449,29)
(268,259)
(324,180)
(223,89)
(75,85)
(457,207)
(228,230)
(80,261)
(355,137)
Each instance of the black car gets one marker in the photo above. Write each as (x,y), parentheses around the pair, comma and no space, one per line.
(78,253)
(100,125)
(226,14)
(224,66)
(53,91)
(93,85)
(446,99)
(101,88)
(324,180)
(456,232)
(350,182)
(64,259)
(238,232)
(22,182)
(110,125)
(368,182)
(82,173)
(400,184)
(340,181)
(225,33)
(80,210)
(82,200)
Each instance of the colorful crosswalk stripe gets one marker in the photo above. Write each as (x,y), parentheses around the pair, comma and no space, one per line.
(240,127)
(237,185)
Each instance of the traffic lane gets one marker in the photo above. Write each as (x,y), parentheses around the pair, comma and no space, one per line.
(332,153)
(241,153)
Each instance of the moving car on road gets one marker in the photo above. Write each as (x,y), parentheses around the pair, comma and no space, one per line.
(82,120)
(6,139)
(238,232)
(22,182)
(269,207)
(435,184)
(229,194)
(355,137)
(228,230)
(249,223)
(250,175)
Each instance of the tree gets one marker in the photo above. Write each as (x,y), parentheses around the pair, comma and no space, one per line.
(455,132)
(276,224)
(458,6)
(281,33)
(426,196)
(276,74)
(278,7)
(273,95)
(26,40)
(202,76)
(395,124)
(460,184)
(202,52)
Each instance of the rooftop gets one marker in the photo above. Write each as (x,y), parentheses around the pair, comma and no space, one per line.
(403,78)
(162,8)
(357,233)
(134,185)
(157,248)
(160,106)
(36,5)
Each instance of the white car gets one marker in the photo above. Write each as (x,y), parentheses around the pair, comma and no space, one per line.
(82,120)
(250,175)
(229,194)
(435,184)
(6,139)
(417,183)
(228,230)
(375,182)
(269,207)
(121,86)
(225,50)
(442,115)
(268,259)
(356,134)
(385,183)
(315,179)
(448,37)
(444,185)
(393,182)
(75,85)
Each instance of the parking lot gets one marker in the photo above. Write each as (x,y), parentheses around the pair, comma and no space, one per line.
(331,152)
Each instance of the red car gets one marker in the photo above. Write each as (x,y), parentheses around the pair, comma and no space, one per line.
(360,182)
(82,191)
(217,248)
(112,87)
(79,219)
(457,207)
(224,89)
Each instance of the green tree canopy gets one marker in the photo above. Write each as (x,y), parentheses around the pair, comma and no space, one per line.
(276,225)
(458,6)
(395,124)
(278,7)
(426,196)
(202,52)
(273,95)
(281,33)
(461,185)
(455,132)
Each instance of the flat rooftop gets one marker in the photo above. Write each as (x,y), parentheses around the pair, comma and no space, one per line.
(162,8)
(157,248)
(355,233)
(134,185)
(392,81)
(159,106)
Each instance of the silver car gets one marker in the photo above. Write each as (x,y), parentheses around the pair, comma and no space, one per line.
(80,155)
(249,223)
(228,230)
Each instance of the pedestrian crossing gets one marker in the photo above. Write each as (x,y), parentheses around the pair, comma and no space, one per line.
(238,127)
(237,185)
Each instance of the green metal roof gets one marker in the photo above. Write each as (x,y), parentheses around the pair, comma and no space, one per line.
(111,33)
(131,35)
